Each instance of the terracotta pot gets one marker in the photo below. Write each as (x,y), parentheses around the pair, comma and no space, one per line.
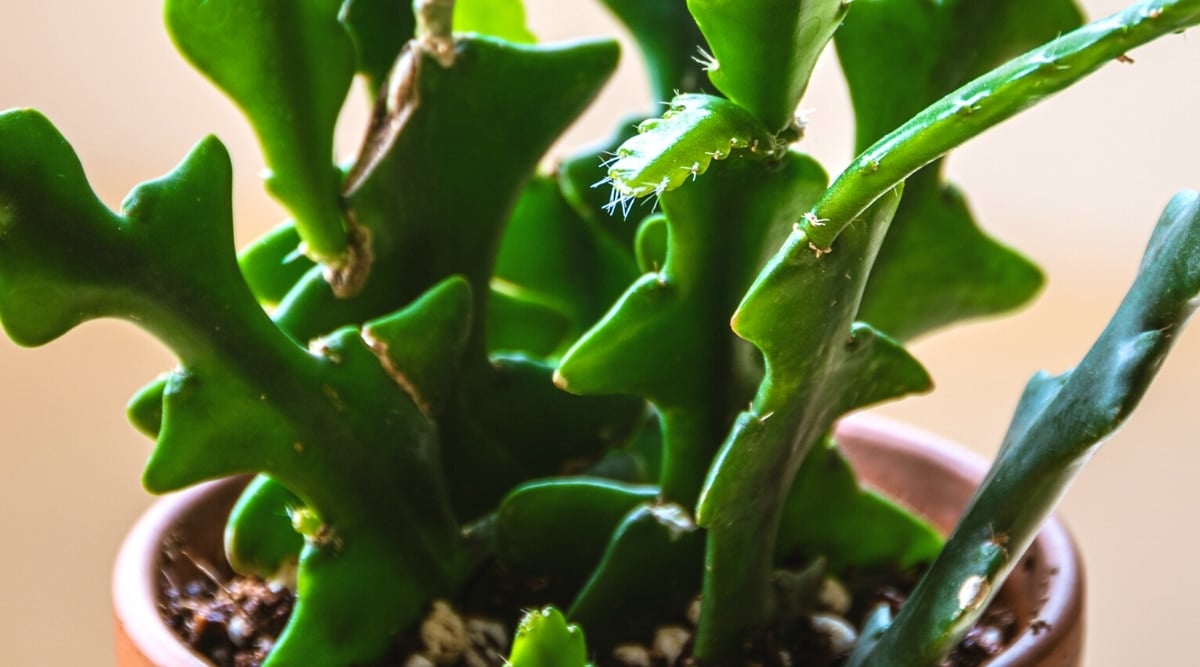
(930,475)
(195,517)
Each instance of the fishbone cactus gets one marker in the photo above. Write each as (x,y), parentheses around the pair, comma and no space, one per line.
(456,375)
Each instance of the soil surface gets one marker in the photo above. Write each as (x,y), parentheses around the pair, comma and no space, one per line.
(234,621)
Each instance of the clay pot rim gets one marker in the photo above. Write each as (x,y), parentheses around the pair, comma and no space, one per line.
(142,638)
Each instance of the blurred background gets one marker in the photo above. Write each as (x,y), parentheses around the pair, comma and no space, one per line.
(1077,184)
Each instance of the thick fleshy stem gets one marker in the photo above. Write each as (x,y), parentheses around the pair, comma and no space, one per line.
(1059,423)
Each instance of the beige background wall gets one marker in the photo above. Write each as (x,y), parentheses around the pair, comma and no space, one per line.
(1077,184)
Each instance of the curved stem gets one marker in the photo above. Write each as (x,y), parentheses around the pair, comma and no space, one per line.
(1059,423)
(986,101)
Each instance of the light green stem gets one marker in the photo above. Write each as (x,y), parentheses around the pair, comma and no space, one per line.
(986,101)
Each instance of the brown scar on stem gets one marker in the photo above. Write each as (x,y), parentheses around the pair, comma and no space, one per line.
(398,99)
(380,350)
(348,277)
(321,348)
(435,20)
(998,540)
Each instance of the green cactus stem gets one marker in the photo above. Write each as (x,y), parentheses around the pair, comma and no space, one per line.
(378,29)
(734,585)
(272,547)
(272,264)
(984,102)
(1058,426)
(292,103)
(667,338)
(391,362)
(936,266)
(668,38)
(413,198)
(412,202)
(545,639)
(646,577)
(752,37)
(504,19)
(585,274)
(582,176)
(240,403)
(820,364)
(559,528)
(668,151)
(828,516)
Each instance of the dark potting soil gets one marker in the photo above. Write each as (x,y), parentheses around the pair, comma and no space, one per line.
(234,621)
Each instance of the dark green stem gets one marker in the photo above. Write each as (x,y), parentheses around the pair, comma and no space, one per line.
(1058,425)
(690,439)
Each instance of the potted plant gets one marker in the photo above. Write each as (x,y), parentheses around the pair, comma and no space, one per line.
(403,404)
